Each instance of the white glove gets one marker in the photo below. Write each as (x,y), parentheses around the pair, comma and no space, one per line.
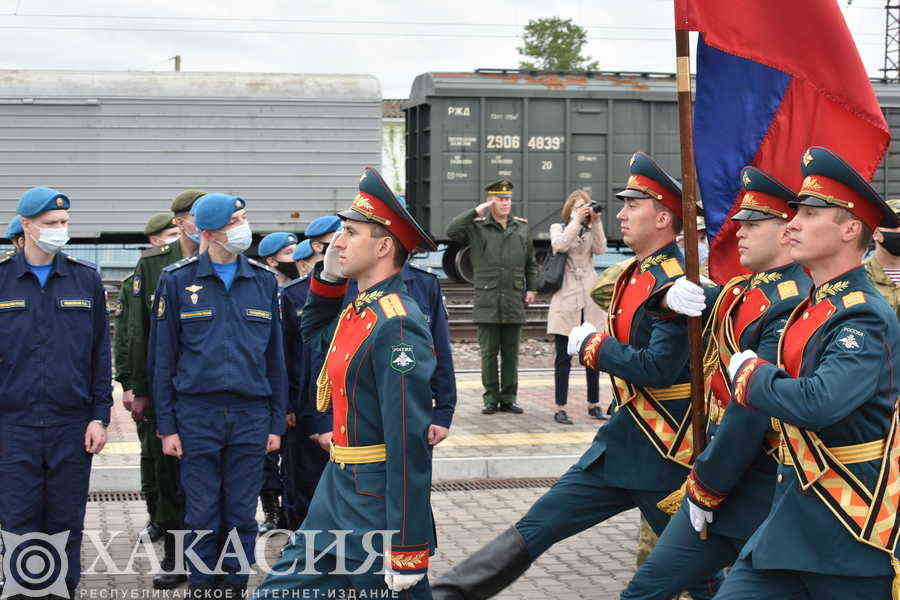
(331,267)
(397,582)
(699,516)
(737,360)
(686,298)
(577,336)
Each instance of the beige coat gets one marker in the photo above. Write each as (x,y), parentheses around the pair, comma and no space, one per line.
(574,296)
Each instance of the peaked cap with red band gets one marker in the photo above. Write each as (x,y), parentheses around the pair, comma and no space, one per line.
(376,203)
(646,179)
(764,197)
(828,180)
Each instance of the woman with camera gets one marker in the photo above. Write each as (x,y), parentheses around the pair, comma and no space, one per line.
(581,236)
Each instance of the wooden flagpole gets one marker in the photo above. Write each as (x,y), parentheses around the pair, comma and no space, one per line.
(689,206)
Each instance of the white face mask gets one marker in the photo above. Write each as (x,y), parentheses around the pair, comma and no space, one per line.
(171,240)
(239,239)
(51,241)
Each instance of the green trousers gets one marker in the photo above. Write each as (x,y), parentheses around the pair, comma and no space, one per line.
(159,474)
(502,339)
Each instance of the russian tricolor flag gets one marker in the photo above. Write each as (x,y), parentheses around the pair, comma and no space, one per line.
(773,78)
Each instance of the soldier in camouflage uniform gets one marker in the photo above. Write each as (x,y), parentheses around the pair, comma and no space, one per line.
(168,506)
(505,281)
(883,266)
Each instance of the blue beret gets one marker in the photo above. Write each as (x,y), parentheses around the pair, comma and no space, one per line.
(323,225)
(37,200)
(303,250)
(14,228)
(274,242)
(213,211)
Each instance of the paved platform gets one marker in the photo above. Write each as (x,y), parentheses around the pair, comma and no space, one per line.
(595,564)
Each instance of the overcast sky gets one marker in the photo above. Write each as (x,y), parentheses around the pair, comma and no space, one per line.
(394,40)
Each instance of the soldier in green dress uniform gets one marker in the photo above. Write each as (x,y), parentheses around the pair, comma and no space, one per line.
(505,281)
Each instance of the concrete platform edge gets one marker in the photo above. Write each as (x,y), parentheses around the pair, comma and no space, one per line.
(128,479)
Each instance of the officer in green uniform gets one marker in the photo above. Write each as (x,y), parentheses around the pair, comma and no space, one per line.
(167,505)
(505,281)
(883,266)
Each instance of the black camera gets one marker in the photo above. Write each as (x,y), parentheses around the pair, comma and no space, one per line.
(594,206)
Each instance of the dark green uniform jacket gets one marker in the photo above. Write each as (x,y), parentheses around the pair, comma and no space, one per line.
(843,345)
(735,474)
(145,280)
(379,369)
(504,264)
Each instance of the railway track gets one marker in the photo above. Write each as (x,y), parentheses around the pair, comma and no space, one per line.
(459,297)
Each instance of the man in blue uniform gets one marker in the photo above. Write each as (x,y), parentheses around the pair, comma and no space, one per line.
(730,486)
(643,452)
(831,532)
(309,433)
(377,375)
(56,389)
(15,234)
(277,251)
(219,384)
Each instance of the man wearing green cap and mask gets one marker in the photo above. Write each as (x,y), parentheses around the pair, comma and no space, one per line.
(160,230)
(167,506)
(883,266)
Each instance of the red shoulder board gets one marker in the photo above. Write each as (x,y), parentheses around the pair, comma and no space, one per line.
(352,330)
(804,322)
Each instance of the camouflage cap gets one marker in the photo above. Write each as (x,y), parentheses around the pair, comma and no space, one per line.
(185,200)
(158,222)
(894,203)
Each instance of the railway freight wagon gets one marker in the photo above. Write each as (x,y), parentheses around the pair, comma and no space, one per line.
(549,134)
(122,144)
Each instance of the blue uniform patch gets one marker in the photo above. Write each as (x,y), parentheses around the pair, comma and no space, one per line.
(403,358)
(849,339)
(136,284)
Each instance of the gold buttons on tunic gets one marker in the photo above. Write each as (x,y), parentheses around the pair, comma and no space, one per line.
(634,280)
(736,291)
(343,429)
(806,315)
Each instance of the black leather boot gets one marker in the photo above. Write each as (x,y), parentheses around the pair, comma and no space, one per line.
(271,510)
(152,529)
(168,580)
(487,572)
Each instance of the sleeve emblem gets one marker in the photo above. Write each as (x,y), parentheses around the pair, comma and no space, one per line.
(850,339)
(403,358)
(161,308)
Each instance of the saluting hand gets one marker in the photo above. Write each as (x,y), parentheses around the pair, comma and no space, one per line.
(172,445)
(273,443)
(484,208)
(94,437)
